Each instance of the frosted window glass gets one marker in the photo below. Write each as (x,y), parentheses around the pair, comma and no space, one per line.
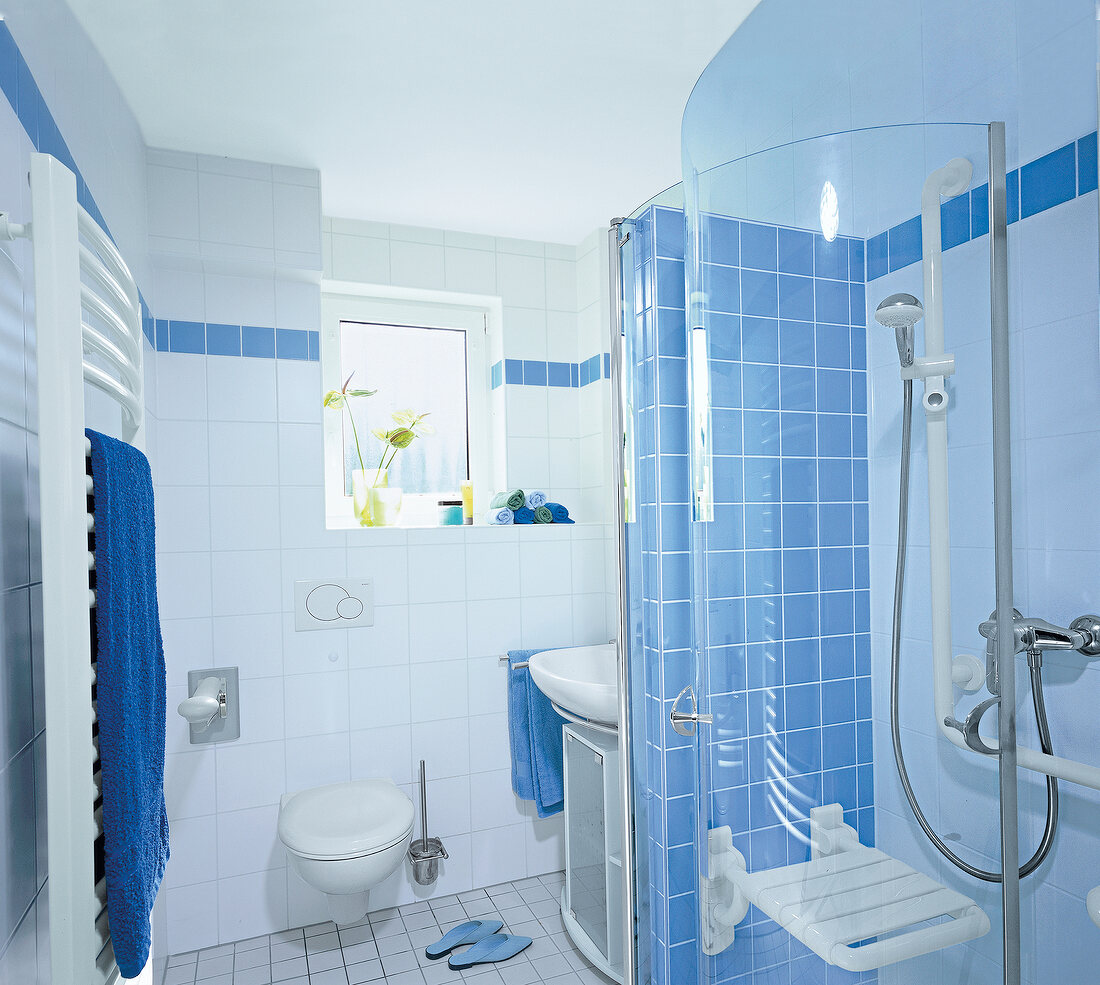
(417,369)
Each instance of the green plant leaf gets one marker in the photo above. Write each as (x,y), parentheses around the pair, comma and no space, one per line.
(361,393)
(401,437)
(334,398)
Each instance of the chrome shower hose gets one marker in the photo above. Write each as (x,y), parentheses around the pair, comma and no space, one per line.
(895,665)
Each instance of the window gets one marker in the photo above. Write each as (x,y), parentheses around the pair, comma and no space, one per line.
(422,353)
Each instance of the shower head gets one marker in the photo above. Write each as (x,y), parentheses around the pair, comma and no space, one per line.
(901,312)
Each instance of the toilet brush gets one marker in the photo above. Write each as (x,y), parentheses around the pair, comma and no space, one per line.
(425,852)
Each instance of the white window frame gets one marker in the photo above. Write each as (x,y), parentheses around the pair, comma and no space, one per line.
(480,316)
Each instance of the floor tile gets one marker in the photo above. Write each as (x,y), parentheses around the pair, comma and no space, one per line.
(387,948)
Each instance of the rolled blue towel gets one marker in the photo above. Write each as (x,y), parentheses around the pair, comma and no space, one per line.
(524,515)
(561,514)
(502,517)
(535,499)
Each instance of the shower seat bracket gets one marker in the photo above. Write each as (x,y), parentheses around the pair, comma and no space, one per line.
(925,367)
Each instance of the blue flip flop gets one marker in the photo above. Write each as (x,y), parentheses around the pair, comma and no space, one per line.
(499,947)
(465,933)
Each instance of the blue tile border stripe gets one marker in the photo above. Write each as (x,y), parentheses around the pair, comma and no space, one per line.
(1060,176)
(538,372)
(255,341)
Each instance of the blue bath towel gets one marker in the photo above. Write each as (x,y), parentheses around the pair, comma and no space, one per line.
(534,731)
(500,517)
(560,513)
(130,689)
(524,515)
(535,499)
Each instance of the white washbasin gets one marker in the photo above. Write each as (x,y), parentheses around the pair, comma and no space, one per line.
(580,679)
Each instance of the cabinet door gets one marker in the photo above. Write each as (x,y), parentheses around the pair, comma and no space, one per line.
(587,862)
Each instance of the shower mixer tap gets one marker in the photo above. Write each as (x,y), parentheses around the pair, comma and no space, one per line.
(1037,635)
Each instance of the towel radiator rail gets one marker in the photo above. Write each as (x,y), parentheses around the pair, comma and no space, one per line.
(88,323)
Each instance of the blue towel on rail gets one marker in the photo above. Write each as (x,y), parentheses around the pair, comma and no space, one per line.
(534,731)
(130,689)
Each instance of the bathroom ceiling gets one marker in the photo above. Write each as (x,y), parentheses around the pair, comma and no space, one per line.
(515,119)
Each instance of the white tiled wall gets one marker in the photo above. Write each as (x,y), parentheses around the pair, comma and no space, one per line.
(85,104)
(424,682)
(240,506)
(1054,344)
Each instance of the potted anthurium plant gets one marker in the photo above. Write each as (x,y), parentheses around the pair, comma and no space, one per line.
(374,502)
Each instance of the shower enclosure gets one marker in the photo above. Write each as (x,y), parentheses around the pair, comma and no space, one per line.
(764,408)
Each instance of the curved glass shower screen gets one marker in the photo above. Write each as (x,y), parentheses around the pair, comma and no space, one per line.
(811,865)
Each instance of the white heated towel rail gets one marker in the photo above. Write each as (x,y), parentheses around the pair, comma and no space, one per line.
(88,323)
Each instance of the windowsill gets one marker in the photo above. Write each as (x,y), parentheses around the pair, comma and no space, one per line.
(350,523)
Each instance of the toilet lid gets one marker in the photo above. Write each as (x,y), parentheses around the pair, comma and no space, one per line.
(344,820)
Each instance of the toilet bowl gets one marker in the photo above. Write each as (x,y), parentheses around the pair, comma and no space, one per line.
(346,838)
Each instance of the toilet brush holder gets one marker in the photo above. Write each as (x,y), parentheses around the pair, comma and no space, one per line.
(425,852)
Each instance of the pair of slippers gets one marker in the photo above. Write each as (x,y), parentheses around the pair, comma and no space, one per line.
(488,944)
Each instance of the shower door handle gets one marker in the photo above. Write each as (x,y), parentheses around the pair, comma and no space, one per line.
(687,722)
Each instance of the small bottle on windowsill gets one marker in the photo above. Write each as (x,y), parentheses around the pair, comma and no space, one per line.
(467,489)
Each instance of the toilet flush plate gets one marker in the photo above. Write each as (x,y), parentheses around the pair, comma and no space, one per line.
(333,603)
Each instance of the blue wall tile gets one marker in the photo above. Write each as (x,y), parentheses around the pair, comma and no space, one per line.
(513,371)
(759,246)
(314,346)
(1048,181)
(258,341)
(796,297)
(721,240)
(291,343)
(1086,164)
(796,252)
(878,255)
(831,259)
(557,374)
(534,372)
(905,243)
(955,221)
(1013,189)
(186,336)
(979,211)
(759,293)
(223,340)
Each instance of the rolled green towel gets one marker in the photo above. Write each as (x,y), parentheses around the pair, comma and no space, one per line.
(514,499)
(543,515)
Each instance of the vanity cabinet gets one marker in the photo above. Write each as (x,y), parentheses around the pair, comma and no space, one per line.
(591,904)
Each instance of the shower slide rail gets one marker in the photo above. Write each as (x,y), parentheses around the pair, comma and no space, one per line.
(950,180)
(88,323)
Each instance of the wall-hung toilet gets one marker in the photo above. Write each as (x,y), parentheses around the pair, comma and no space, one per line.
(346,838)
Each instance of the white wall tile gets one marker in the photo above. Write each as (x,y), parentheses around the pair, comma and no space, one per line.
(237,211)
(387,566)
(179,294)
(488,685)
(385,752)
(173,196)
(379,696)
(546,563)
(492,802)
(498,854)
(181,386)
(300,393)
(437,573)
(521,280)
(439,691)
(187,646)
(190,784)
(360,258)
(561,285)
(310,564)
(184,585)
(250,775)
(444,746)
(313,651)
(253,644)
(192,916)
(545,845)
(245,582)
(547,621)
(493,628)
(315,704)
(492,571)
(437,631)
(235,300)
(470,271)
(251,905)
(448,805)
(182,454)
(244,453)
(297,218)
(301,454)
(243,518)
(416,265)
(247,841)
(489,749)
(182,519)
(316,760)
(385,644)
(297,304)
(240,389)
(262,718)
(194,851)
(302,519)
